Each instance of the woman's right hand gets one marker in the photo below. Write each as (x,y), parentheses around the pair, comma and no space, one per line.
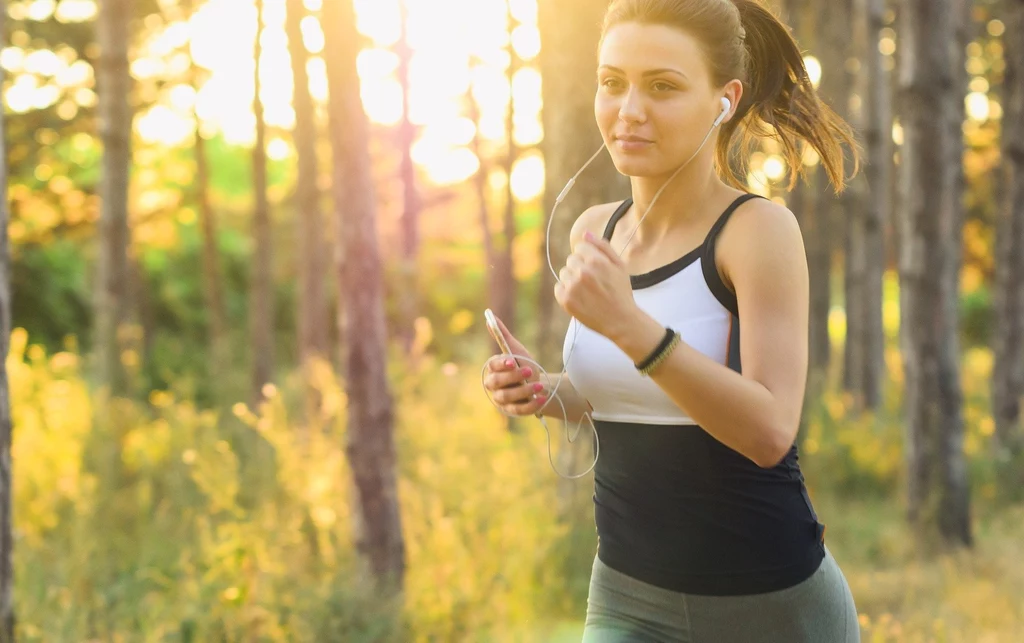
(515,387)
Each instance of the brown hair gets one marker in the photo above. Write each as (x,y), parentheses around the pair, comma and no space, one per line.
(742,39)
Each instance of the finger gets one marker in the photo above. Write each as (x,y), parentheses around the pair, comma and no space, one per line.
(506,379)
(500,363)
(567,275)
(518,394)
(602,246)
(574,262)
(526,408)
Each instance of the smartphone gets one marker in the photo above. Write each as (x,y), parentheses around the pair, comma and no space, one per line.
(495,331)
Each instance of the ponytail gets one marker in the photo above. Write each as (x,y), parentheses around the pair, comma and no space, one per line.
(780,102)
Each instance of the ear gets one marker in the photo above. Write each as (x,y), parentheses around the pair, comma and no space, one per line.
(733,91)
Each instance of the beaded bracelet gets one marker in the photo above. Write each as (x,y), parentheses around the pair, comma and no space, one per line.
(658,355)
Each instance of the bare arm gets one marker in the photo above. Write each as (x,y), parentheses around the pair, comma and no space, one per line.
(756,413)
(575,404)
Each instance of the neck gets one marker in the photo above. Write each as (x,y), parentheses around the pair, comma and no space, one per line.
(681,199)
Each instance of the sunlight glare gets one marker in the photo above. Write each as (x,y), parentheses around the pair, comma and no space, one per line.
(162,125)
(452,167)
(383,101)
(317,70)
(774,167)
(12,59)
(43,62)
(376,64)
(76,11)
(20,94)
(183,98)
(78,73)
(278,149)
(977,106)
(312,35)
(528,178)
(41,10)
(379,20)
(524,11)
(527,130)
(526,41)
(813,70)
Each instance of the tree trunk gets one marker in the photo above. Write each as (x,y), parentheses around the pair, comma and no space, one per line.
(1008,370)
(411,203)
(313,334)
(213,288)
(813,209)
(570,31)
(939,502)
(261,311)
(506,294)
(115,125)
(370,447)
(6,468)
(866,245)
(491,258)
(212,285)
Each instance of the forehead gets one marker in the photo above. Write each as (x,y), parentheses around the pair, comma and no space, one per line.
(635,47)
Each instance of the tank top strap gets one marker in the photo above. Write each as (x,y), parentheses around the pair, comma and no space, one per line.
(708,265)
(709,241)
(618,214)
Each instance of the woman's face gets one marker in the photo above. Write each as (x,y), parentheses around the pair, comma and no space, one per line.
(655,101)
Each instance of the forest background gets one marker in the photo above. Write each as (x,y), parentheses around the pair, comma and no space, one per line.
(247,248)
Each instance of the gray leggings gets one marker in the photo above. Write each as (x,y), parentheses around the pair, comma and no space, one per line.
(818,610)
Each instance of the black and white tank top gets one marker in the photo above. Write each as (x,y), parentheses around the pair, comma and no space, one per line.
(687,295)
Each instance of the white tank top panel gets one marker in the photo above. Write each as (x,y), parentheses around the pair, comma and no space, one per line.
(686,295)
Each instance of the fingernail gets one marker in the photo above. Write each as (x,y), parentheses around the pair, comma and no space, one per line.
(527,372)
(509,363)
(588,235)
(538,387)
(542,398)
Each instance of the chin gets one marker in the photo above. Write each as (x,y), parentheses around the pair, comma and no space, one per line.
(637,167)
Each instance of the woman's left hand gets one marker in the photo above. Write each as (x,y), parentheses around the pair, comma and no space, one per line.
(594,288)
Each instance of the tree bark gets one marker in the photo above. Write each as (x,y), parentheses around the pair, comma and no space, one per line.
(213,288)
(6,465)
(1008,370)
(313,343)
(411,201)
(261,310)
(370,447)
(506,283)
(570,31)
(939,502)
(115,126)
(820,209)
(491,258)
(866,264)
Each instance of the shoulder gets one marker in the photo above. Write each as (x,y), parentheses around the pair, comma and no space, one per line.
(760,235)
(593,219)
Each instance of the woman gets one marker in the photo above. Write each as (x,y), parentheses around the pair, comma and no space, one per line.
(690,337)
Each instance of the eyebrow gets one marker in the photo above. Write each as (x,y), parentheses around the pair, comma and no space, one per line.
(652,72)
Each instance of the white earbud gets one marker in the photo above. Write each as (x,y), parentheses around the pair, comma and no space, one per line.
(726,106)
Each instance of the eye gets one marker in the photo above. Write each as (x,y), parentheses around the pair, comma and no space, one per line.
(662,86)
(611,83)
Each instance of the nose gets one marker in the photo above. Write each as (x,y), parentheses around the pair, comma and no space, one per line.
(632,108)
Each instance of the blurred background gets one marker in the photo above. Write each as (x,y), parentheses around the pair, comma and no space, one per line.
(248,247)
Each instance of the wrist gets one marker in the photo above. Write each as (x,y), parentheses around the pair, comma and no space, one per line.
(639,335)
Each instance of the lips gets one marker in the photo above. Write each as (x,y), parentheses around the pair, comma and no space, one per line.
(633,139)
